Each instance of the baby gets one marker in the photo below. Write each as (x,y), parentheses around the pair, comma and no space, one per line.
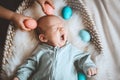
(55,57)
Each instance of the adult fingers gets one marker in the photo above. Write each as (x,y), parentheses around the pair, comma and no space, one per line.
(42,3)
(22,26)
(50,2)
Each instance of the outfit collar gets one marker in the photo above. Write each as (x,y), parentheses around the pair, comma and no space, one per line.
(52,47)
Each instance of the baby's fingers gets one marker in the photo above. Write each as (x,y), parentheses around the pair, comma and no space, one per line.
(89,72)
(92,72)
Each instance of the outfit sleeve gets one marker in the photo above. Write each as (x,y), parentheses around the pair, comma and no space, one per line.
(85,62)
(83,59)
(25,70)
(30,65)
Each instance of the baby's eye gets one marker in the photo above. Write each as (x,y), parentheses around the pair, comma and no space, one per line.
(54,28)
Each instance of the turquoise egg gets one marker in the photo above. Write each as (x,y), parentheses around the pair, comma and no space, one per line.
(81,76)
(67,12)
(84,35)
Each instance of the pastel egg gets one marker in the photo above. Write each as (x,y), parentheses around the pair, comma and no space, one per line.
(84,35)
(30,23)
(49,9)
(81,76)
(67,12)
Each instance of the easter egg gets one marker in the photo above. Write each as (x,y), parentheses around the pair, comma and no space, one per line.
(49,9)
(81,76)
(84,35)
(67,12)
(30,23)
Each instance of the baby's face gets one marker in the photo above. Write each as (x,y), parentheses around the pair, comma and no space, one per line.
(55,32)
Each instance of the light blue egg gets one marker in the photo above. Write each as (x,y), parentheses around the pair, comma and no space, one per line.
(67,12)
(81,76)
(84,35)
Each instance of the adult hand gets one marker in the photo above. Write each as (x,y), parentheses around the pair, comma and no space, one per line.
(18,20)
(43,2)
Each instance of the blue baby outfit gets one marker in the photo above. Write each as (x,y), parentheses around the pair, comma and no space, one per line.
(54,63)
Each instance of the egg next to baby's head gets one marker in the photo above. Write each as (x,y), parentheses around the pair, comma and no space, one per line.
(30,23)
(67,12)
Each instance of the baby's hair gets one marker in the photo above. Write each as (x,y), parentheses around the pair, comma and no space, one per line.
(39,31)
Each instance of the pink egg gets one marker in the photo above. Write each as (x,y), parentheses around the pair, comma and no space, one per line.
(30,23)
(49,9)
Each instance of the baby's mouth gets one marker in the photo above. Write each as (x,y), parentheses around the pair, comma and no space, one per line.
(62,37)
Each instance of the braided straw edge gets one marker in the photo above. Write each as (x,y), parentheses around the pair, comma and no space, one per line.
(9,46)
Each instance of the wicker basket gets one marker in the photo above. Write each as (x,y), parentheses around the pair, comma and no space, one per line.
(77,5)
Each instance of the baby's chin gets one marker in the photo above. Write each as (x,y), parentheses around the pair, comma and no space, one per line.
(62,43)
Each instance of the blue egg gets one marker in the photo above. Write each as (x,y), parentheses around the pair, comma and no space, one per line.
(67,12)
(81,76)
(84,35)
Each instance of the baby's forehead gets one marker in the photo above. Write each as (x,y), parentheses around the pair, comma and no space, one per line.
(54,21)
(49,21)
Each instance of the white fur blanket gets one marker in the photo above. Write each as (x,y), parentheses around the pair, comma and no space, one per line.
(107,25)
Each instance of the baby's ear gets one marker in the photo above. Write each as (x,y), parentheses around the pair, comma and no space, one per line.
(42,38)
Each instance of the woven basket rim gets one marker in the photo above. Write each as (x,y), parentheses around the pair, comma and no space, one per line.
(11,31)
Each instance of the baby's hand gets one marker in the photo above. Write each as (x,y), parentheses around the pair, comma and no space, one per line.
(91,71)
(15,78)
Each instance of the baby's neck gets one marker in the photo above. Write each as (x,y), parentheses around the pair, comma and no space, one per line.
(56,45)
